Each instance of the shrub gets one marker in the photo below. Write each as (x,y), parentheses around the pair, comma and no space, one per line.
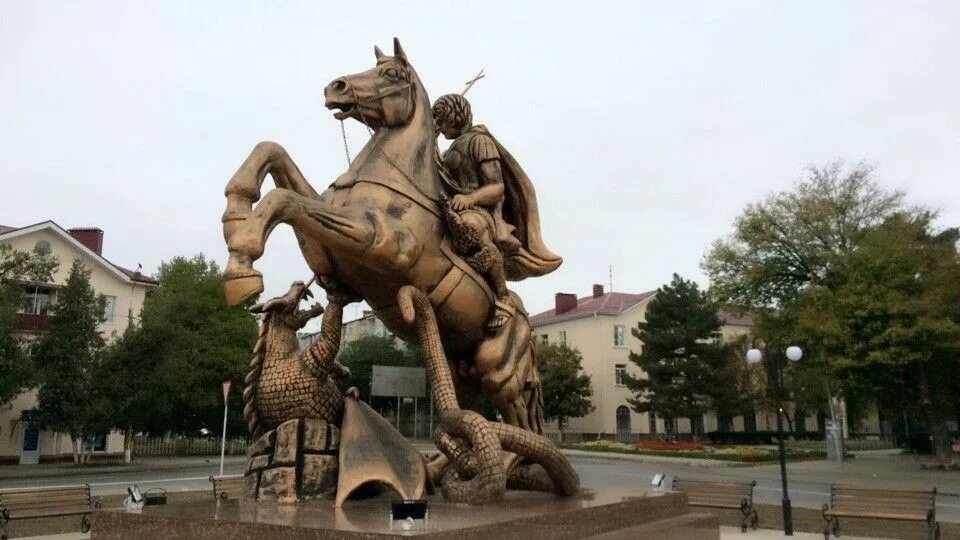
(759,437)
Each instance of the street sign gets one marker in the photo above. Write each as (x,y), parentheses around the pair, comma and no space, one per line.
(226,389)
(392,381)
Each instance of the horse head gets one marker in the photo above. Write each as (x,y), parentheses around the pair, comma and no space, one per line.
(383,96)
(285,309)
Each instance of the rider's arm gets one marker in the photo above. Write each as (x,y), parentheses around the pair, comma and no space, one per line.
(491,192)
(484,151)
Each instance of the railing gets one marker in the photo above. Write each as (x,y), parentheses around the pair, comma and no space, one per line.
(160,446)
(30,322)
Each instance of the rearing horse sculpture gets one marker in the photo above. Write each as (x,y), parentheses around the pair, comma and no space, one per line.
(378,230)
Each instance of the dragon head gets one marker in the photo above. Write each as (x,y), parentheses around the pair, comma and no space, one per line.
(286,308)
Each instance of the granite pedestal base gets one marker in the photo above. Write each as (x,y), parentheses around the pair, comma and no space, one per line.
(607,515)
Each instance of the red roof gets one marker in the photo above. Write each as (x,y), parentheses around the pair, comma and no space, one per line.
(608,304)
(4,229)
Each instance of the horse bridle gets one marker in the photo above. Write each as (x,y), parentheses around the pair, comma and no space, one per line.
(379,96)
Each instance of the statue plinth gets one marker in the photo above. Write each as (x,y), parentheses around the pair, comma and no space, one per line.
(606,514)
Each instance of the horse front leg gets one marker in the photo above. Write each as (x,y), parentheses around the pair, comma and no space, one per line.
(368,234)
(243,189)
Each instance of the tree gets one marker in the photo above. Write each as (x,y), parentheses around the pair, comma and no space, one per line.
(687,367)
(889,318)
(361,355)
(16,269)
(793,238)
(792,242)
(566,389)
(68,355)
(165,373)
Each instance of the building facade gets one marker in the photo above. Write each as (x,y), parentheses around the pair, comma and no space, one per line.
(367,325)
(21,439)
(599,326)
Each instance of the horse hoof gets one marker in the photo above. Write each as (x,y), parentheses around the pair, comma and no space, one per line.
(236,290)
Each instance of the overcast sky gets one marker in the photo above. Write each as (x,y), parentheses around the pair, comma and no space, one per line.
(646,127)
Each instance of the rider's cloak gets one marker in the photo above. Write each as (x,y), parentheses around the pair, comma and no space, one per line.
(519,217)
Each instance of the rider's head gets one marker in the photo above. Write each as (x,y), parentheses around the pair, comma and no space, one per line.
(451,113)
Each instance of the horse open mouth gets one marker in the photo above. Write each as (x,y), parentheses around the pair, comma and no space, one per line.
(345,109)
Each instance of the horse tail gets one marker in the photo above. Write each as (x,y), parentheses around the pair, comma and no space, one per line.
(253,379)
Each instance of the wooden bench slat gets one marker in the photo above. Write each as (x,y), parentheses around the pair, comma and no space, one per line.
(50,512)
(856,506)
(860,489)
(863,505)
(45,504)
(52,497)
(883,493)
(42,491)
(713,504)
(713,489)
(714,485)
(883,500)
(879,515)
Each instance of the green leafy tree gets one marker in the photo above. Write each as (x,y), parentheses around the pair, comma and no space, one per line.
(793,238)
(792,242)
(890,320)
(566,388)
(688,369)
(16,269)
(68,356)
(361,355)
(165,373)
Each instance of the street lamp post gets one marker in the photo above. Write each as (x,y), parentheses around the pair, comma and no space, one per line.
(793,353)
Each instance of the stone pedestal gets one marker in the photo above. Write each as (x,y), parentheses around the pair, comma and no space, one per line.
(298,460)
(522,515)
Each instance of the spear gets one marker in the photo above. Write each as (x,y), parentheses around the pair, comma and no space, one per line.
(471,82)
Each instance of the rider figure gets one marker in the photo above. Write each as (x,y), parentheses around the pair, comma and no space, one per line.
(474,208)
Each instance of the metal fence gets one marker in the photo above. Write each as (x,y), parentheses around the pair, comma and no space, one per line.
(161,446)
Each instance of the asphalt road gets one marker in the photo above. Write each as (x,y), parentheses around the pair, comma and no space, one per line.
(808,487)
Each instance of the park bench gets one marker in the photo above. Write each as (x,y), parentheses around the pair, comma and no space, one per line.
(889,504)
(47,502)
(227,487)
(732,495)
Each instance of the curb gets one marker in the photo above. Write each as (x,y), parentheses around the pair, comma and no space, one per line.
(663,460)
(15,474)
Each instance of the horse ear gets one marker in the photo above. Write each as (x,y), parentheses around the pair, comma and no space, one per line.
(378,53)
(398,51)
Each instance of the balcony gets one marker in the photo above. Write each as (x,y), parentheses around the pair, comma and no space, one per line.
(28,322)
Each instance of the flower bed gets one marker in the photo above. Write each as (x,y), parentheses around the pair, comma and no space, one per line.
(693,450)
(686,446)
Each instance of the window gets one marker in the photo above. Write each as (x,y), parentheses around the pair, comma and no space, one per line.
(109,305)
(619,336)
(653,423)
(36,300)
(42,248)
(544,338)
(620,370)
(563,337)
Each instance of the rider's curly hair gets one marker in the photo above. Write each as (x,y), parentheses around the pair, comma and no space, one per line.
(455,107)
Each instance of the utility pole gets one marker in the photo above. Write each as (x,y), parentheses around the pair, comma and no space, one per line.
(223,437)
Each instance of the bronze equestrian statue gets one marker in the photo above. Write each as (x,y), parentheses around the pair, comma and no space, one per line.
(380,233)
